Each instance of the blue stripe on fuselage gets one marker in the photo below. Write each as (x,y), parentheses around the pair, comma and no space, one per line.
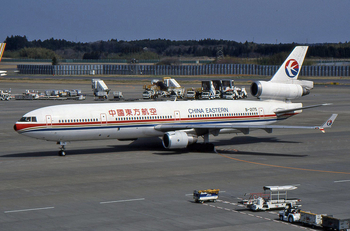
(107,126)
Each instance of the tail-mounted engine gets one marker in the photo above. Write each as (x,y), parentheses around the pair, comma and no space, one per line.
(281,91)
(178,139)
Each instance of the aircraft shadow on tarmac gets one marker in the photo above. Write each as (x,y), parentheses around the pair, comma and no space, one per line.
(155,145)
(237,152)
(142,144)
(252,140)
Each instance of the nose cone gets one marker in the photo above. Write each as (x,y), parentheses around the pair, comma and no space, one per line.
(17,127)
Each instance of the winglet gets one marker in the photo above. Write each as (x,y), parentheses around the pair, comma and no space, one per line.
(328,123)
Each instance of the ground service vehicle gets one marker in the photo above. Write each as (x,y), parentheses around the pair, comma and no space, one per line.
(118,95)
(5,95)
(208,90)
(191,94)
(327,222)
(274,197)
(166,88)
(229,95)
(206,195)
(206,95)
(99,89)
(290,214)
(148,94)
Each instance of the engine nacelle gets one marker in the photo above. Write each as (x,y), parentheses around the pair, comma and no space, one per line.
(177,139)
(281,91)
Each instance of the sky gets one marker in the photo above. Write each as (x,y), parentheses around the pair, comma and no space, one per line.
(259,21)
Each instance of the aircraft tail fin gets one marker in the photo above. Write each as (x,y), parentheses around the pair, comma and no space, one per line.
(2,49)
(291,67)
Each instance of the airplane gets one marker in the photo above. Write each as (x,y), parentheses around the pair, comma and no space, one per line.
(2,49)
(179,123)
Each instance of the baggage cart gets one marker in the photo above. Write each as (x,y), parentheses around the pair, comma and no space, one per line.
(312,219)
(206,195)
(330,222)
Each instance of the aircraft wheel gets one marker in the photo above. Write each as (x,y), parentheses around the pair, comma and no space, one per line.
(61,153)
(290,219)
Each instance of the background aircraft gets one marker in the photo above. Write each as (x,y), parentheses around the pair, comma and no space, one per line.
(2,49)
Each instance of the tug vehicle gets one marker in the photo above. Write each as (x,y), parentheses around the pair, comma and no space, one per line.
(290,214)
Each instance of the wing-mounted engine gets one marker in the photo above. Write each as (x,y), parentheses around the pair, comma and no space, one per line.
(281,91)
(178,139)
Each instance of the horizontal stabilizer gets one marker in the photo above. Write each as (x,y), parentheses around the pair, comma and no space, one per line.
(282,111)
(329,122)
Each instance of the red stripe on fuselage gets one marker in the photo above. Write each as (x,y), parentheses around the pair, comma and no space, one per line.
(22,126)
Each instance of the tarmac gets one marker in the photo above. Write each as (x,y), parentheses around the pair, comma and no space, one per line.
(125,185)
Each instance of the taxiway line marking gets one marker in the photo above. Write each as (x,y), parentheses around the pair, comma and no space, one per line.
(120,201)
(278,166)
(255,216)
(27,210)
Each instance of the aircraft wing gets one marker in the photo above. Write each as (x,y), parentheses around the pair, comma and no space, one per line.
(243,128)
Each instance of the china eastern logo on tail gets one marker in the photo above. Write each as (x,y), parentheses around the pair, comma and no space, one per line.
(292,68)
(329,122)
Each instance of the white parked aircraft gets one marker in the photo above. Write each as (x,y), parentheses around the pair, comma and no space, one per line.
(180,123)
(2,49)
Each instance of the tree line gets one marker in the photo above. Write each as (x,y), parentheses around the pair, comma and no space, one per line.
(19,46)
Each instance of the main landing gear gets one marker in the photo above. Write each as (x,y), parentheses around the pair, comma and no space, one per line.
(62,151)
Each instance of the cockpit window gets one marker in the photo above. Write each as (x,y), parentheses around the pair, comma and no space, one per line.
(28,119)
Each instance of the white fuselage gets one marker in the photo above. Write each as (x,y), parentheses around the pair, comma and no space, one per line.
(125,120)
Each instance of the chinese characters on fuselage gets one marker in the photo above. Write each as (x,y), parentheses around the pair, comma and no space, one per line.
(133,112)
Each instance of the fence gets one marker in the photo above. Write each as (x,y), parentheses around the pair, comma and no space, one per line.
(209,69)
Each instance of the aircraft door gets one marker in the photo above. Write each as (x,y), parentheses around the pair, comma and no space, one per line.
(103,117)
(177,116)
(261,112)
(48,121)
